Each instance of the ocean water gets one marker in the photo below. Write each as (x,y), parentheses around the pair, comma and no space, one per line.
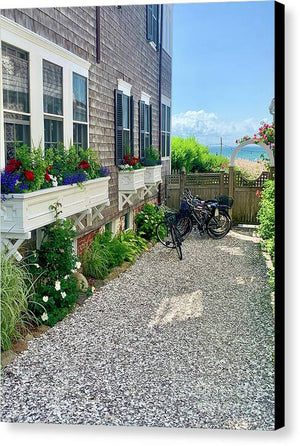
(251,152)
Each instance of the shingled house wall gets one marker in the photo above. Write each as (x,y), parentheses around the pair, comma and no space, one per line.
(125,53)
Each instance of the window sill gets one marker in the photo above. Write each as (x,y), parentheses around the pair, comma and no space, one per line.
(151,43)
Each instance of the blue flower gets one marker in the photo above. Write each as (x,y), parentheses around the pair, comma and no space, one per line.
(104,171)
(74,178)
(11,183)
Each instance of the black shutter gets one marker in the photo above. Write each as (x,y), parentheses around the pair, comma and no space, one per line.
(119,126)
(142,129)
(168,125)
(131,123)
(150,125)
(149,22)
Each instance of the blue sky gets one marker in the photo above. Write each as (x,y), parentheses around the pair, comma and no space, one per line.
(223,69)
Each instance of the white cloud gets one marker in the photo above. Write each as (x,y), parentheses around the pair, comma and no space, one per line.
(208,128)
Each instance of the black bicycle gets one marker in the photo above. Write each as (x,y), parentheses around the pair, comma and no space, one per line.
(209,216)
(170,232)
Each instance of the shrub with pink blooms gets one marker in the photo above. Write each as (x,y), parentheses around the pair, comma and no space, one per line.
(266,135)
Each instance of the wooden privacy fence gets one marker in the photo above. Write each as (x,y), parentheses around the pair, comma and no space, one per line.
(209,185)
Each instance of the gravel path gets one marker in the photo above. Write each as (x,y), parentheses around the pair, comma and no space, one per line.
(167,343)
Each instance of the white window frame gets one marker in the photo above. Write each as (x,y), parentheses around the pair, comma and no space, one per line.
(167,34)
(40,48)
(167,102)
(52,116)
(87,109)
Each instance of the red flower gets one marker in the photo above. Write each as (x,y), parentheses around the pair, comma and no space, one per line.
(10,168)
(13,165)
(135,158)
(258,194)
(83,165)
(29,175)
(131,163)
(127,157)
(47,177)
(50,167)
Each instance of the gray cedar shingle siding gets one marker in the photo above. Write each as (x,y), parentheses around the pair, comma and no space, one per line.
(125,54)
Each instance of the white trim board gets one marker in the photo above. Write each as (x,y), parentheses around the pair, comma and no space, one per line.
(125,87)
(145,97)
(9,26)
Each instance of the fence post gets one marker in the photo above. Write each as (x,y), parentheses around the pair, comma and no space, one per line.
(182,183)
(231,185)
(221,188)
(272,170)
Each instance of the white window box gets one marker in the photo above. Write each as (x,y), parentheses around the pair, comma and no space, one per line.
(131,185)
(22,213)
(153,174)
(131,180)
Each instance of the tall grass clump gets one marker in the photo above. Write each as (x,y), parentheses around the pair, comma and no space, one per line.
(194,157)
(16,290)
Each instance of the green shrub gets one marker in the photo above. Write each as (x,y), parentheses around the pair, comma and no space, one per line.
(147,220)
(266,217)
(56,289)
(108,251)
(16,290)
(194,157)
(134,244)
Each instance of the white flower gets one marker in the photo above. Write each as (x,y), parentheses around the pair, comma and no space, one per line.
(93,289)
(73,270)
(36,265)
(66,277)
(78,265)
(74,228)
(54,182)
(57,285)
(45,298)
(44,317)
(63,294)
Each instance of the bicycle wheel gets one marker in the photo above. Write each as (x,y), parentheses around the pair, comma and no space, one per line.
(218,226)
(163,234)
(184,226)
(176,241)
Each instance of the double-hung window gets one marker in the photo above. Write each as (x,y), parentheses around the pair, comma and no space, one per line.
(16,108)
(80,125)
(124,122)
(53,104)
(43,99)
(152,19)
(145,118)
(166,131)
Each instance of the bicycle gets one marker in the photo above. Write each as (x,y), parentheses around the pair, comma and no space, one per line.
(163,229)
(168,232)
(209,216)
